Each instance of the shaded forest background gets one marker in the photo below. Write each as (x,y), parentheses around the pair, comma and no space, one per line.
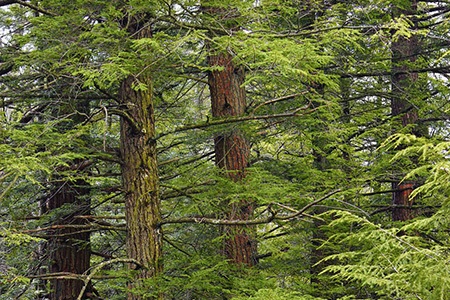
(224,149)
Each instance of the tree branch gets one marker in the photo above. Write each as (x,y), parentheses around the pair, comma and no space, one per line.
(58,276)
(309,205)
(283,98)
(272,216)
(98,267)
(89,227)
(100,217)
(131,121)
(444,69)
(27,4)
(221,121)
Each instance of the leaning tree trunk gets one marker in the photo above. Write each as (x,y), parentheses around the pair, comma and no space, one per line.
(404,53)
(140,173)
(232,152)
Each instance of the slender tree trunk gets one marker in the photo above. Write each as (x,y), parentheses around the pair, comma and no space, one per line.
(232,152)
(322,164)
(140,173)
(404,52)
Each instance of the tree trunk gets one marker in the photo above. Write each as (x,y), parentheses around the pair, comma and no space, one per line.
(140,174)
(321,163)
(68,249)
(404,52)
(232,152)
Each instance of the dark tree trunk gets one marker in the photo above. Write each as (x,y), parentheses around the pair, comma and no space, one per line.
(401,201)
(68,249)
(404,53)
(140,172)
(232,152)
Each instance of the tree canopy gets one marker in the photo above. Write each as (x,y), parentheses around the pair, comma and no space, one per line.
(224,149)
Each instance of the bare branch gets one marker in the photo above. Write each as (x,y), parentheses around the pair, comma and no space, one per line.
(58,276)
(294,113)
(88,227)
(100,266)
(272,216)
(288,97)
(309,205)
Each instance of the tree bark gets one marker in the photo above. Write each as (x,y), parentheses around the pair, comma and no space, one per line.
(140,173)
(68,249)
(404,53)
(232,152)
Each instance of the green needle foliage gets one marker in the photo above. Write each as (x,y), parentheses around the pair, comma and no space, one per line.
(326,146)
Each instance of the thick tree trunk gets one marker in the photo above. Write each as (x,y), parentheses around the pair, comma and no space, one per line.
(68,249)
(404,52)
(140,178)
(140,174)
(232,152)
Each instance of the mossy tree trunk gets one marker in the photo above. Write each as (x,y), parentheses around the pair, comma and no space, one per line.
(140,172)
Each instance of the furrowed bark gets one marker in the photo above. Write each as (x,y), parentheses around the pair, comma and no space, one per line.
(67,249)
(232,152)
(140,173)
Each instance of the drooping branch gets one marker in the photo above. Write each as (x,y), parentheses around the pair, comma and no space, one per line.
(127,117)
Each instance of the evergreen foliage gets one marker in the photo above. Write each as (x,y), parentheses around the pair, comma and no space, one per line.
(326,146)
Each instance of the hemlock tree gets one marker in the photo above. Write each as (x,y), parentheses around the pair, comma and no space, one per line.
(139,165)
(66,251)
(302,90)
(232,149)
(405,85)
(389,264)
